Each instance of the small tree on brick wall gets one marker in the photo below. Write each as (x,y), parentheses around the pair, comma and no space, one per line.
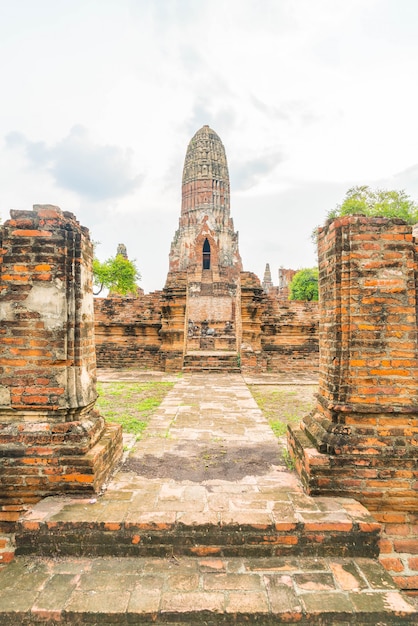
(361,200)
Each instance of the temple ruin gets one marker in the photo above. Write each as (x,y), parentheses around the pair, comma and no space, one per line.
(357,449)
(211,315)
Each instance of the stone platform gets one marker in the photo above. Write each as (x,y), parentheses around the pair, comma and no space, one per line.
(200,591)
(203,523)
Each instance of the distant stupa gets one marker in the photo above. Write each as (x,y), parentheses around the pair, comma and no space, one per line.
(267,282)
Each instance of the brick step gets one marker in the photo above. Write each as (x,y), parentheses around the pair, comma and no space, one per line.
(212,591)
(206,361)
(210,370)
(75,533)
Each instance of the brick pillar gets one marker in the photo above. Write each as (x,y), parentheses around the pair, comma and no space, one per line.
(51,438)
(252,306)
(362,439)
(173,320)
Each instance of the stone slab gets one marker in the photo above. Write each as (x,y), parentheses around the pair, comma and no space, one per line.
(189,590)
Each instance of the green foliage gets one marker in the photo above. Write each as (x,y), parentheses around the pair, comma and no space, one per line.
(304,285)
(117,274)
(362,200)
(288,460)
(131,404)
(284,405)
(279,428)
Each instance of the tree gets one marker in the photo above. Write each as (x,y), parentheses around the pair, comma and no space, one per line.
(304,285)
(361,200)
(118,274)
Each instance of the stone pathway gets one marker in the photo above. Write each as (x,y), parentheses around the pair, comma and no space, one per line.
(203,523)
(236,591)
(177,471)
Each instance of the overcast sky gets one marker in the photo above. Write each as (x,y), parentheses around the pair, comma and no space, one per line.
(99,99)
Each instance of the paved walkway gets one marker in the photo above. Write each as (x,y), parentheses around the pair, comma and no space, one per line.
(202,522)
(207,456)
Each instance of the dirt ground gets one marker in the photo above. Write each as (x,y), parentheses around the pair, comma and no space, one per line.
(211,460)
(200,462)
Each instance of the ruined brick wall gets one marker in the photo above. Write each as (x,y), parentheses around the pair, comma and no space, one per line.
(173,321)
(151,331)
(289,339)
(252,304)
(277,335)
(47,349)
(48,428)
(362,440)
(127,331)
(285,278)
(367,415)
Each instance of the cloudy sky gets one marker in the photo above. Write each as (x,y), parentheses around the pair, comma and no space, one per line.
(101,97)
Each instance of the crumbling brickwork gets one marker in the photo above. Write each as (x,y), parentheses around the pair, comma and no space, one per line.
(51,439)
(289,339)
(277,335)
(127,331)
(362,439)
(285,278)
(155,331)
(173,321)
(252,302)
(205,225)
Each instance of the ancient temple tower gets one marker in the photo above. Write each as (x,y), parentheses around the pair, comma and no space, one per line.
(205,239)
(202,292)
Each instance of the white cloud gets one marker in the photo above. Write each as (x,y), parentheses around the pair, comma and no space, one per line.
(308,98)
(76,163)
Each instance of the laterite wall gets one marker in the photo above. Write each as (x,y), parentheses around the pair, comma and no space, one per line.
(148,331)
(51,438)
(362,440)
(127,331)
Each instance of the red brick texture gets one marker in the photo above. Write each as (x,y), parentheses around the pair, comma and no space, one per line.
(278,335)
(149,331)
(173,321)
(127,331)
(289,339)
(399,547)
(362,440)
(51,439)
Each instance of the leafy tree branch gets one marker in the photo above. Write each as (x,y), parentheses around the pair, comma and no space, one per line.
(304,285)
(117,274)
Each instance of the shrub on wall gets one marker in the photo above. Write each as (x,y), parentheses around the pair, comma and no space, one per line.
(304,285)
(361,200)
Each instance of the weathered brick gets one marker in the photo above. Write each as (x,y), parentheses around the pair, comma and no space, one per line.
(367,411)
(49,338)
(392,564)
(406,545)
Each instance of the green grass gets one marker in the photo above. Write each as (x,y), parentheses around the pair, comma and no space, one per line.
(131,404)
(279,428)
(284,405)
(289,462)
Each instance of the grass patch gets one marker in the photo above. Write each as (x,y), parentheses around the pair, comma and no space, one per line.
(284,404)
(279,428)
(131,404)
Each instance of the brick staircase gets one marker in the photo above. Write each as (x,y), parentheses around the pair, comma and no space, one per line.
(211,361)
(310,562)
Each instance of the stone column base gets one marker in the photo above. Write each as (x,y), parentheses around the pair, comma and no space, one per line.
(380,476)
(39,459)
